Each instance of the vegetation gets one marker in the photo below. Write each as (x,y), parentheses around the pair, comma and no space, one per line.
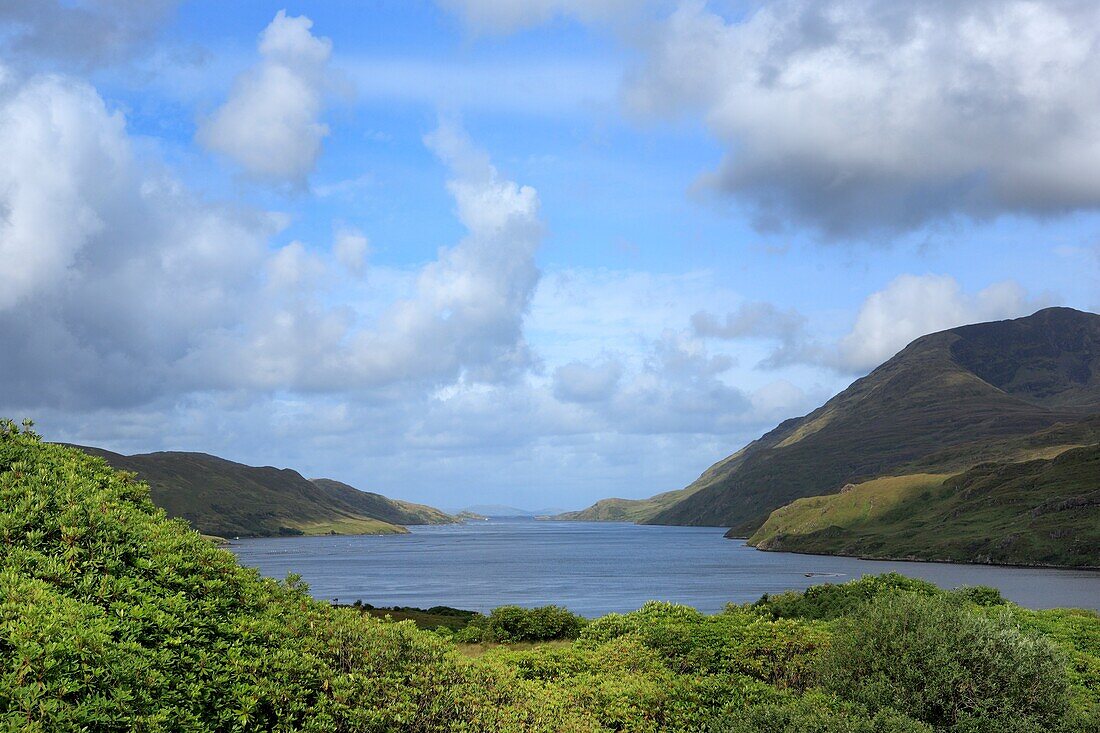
(1045,511)
(510,624)
(1004,392)
(434,618)
(227,499)
(114,617)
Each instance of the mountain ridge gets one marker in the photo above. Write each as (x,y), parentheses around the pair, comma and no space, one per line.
(228,499)
(948,400)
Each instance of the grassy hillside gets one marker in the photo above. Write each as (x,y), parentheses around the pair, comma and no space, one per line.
(624,510)
(115,618)
(948,401)
(227,499)
(381,507)
(1042,512)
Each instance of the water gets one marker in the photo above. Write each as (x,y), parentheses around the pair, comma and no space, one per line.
(595,568)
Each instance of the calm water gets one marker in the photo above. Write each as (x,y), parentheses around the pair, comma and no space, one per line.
(596,568)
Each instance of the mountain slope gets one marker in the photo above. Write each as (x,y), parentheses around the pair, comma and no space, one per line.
(967,386)
(1045,511)
(394,511)
(228,499)
(948,401)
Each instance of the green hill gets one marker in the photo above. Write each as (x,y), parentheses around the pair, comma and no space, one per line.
(381,507)
(1040,512)
(1003,391)
(227,499)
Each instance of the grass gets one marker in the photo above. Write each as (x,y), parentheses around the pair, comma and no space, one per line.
(474,651)
(350,525)
(1037,512)
(861,504)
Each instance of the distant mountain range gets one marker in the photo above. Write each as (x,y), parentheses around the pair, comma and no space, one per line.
(922,457)
(500,510)
(227,499)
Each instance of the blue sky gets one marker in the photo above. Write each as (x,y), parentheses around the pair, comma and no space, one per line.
(530,253)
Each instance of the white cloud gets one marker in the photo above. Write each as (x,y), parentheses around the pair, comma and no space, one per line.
(751,319)
(351,249)
(112,270)
(506,16)
(909,307)
(858,117)
(581,382)
(270,125)
(139,289)
(914,305)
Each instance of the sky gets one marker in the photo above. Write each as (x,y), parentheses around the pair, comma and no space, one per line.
(532,252)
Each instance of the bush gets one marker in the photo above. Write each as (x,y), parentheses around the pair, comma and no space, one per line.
(938,661)
(981,595)
(831,601)
(817,713)
(511,624)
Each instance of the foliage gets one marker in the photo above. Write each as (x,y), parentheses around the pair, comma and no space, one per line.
(508,624)
(937,660)
(820,713)
(114,617)
(830,600)
(436,618)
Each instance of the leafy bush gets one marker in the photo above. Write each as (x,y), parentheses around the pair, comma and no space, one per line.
(830,601)
(817,713)
(981,595)
(509,624)
(938,661)
(781,652)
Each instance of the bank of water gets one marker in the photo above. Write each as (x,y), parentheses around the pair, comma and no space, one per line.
(595,568)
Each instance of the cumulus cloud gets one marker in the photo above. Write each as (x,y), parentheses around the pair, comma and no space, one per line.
(83,34)
(861,117)
(351,249)
(112,270)
(121,286)
(270,125)
(914,305)
(760,320)
(909,307)
(578,381)
(751,319)
(506,16)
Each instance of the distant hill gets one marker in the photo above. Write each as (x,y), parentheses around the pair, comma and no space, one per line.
(1002,391)
(500,510)
(377,506)
(1040,512)
(227,499)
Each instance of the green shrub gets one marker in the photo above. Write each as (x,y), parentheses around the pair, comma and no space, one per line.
(830,601)
(816,713)
(981,595)
(509,624)
(938,661)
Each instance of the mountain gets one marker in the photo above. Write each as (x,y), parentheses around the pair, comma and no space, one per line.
(500,510)
(624,510)
(227,499)
(394,511)
(1002,391)
(1040,512)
